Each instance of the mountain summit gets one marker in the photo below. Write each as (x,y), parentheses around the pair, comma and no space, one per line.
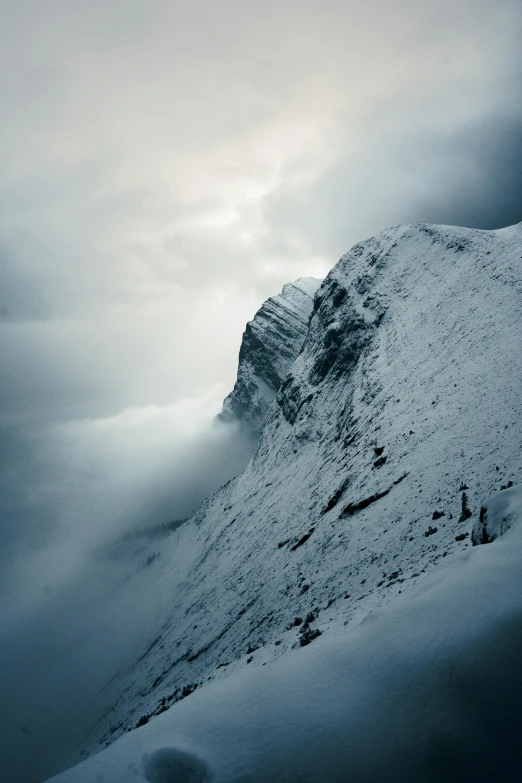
(271,342)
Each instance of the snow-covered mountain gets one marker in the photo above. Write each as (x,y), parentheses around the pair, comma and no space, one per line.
(428,690)
(401,413)
(271,342)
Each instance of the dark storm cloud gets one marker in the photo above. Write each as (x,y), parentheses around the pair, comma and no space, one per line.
(469,175)
(481,184)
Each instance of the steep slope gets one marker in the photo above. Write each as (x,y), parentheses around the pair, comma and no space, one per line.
(401,412)
(428,691)
(270,345)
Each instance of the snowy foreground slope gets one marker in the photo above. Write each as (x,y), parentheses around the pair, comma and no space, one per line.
(400,414)
(427,689)
(271,342)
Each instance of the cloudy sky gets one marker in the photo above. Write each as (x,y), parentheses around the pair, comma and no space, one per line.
(165,166)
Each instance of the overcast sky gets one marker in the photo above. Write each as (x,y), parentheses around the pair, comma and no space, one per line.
(167,165)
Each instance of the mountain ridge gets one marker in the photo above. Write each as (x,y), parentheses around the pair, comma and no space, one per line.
(399,414)
(269,346)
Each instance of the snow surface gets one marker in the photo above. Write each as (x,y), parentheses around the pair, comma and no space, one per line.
(426,689)
(496,516)
(405,396)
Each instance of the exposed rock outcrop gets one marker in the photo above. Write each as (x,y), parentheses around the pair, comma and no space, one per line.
(271,342)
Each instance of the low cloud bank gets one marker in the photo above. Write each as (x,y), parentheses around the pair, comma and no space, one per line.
(93,496)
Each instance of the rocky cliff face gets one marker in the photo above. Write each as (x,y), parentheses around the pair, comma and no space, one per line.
(401,412)
(270,345)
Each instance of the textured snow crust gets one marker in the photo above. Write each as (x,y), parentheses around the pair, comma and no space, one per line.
(401,413)
(426,689)
(270,345)
(496,516)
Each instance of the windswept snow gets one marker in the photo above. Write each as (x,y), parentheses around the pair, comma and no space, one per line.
(497,515)
(427,689)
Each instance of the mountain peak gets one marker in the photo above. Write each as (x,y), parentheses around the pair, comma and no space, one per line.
(271,342)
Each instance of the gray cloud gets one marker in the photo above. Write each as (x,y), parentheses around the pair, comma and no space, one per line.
(85,510)
(465,172)
(469,175)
